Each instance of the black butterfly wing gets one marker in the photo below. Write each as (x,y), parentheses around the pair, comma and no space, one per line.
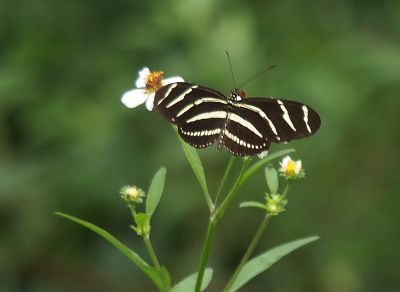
(198,111)
(245,127)
(241,136)
(280,120)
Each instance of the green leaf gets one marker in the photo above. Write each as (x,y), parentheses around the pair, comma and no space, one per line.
(150,271)
(265,161)
(166,275)
(155,191)
(262,262)
(189,283)
(142,224)
(195,163)
(197,167)
(252,204)
(272,179)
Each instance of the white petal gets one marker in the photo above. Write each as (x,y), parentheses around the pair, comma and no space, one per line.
(298,167)
(141,81)
(135,97)
(285,162)
(172,80)
(150,101)
(144,72)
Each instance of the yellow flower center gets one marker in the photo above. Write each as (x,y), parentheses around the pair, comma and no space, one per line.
(153,81)
(291,167)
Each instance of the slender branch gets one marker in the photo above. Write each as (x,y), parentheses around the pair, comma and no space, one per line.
(265,161)
(214,217)
(206,252)
(152,253)
(153,256)
(285,192)
(248,253)
(254,243)
(132,207)
(221,210)
(224,180)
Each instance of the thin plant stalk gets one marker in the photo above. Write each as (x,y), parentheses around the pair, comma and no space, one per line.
(206,252)
(153,256)
(253,244)
(221,210)
(214,218)
(152,253)
(248,253)
(224,180)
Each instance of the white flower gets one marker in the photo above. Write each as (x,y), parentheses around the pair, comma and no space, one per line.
(147,83)
(291,169)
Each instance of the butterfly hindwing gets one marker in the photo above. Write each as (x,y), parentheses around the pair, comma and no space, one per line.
(236,136)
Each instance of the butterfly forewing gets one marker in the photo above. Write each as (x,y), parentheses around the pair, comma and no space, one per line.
(287,120)
(244,126)
(177,102)
(198,111)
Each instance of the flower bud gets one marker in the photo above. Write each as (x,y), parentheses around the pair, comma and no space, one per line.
(132,194)
(275,204)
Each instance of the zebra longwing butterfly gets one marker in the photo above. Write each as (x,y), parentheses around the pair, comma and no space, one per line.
(245,126)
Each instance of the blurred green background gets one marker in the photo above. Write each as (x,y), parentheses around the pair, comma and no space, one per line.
(68,144)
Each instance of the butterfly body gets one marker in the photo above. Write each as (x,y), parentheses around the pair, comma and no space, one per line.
(245,126)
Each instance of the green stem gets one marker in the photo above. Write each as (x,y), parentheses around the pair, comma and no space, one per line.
(225,178)
(248,252)
(215,216)
(132,206)
(150,249)
(221,210)
(153,256)
(254,243)
(206,252)
(285,192)
(263,162)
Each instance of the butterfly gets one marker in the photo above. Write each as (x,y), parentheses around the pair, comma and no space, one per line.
(245,126)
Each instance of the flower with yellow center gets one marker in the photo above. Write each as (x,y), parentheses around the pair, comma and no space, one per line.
(147,84)
(291,169)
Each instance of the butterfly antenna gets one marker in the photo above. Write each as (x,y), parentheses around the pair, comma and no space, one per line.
(230,64)
(254,77)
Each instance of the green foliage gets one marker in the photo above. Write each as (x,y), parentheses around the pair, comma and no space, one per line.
(67,143)
(142,227)
(256,166)
(189,283)
(150,271)
(199,281)
(262,262)
(272,179)
(252,204)
(197,167)
(155,191)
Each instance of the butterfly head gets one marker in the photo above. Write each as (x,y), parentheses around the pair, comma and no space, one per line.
(237,94)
